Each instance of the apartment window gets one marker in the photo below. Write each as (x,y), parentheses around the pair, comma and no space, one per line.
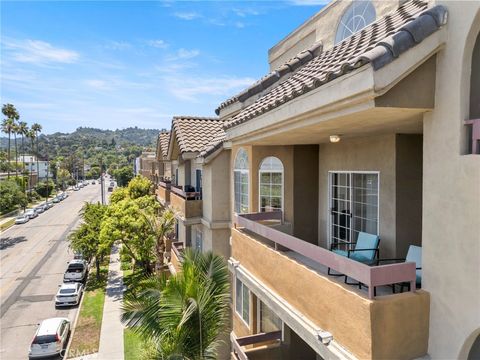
(240,181)
(354,205)
(358,15)
(242,301)
(199,240)
(268,321)
(271,184)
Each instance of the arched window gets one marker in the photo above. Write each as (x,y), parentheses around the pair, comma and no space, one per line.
(360,14)
(475,82)
(240,181)
(271,184)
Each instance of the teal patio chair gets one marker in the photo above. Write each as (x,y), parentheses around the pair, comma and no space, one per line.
(365,250)
(414,254)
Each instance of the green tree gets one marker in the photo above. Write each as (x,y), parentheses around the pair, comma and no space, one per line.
(119,194)
(162,227)
(8,125)
(45,188)
(123,175)
(23,131)
(139,186)
(37,129)
(124,221)
(15,131)
(11,196)
(85,238)
(63,175)
(183,316)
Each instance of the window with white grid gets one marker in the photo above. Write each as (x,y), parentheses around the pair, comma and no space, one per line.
(240,182)
(354,205)
(271,184)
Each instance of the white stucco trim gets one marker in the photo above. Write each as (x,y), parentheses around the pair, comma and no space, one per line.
(321,341)
(348,94)
(216,224)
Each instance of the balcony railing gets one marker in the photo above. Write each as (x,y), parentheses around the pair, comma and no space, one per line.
(474,146)
(163,192)
(187,195)
(176,256)
(239,343)
(188,204)
(371,276)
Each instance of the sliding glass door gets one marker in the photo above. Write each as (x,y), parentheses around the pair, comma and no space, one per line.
(353,199)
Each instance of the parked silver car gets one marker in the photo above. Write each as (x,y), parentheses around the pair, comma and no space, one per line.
(22,219)
(31,213)
(50,338)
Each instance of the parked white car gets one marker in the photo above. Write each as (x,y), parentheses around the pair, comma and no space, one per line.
(69,294)
(76,271)
(22,219)
(31,213)
(50,338)
(39,209)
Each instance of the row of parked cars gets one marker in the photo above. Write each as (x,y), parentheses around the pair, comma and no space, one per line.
(81,185)
(34,212)
(52,334)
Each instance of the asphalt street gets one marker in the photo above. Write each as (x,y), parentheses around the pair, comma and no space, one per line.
(33,258)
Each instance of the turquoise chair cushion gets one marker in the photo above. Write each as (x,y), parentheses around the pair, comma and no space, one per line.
(357,256)
(414,254)
(367,241)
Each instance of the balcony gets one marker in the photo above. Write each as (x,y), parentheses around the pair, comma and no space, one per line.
(188,204)
(257,347)
(175,257)
(163,192)
(384,325)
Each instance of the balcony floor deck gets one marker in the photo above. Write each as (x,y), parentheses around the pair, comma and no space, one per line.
(322,270)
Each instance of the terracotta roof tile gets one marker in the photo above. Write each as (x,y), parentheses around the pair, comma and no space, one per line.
(164,138)
(194,133)
(378,44)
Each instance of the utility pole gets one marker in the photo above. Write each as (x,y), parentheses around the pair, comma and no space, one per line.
(46,195)
(102,188)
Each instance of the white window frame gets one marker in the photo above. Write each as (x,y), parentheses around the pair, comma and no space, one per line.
(198,233)
(240,314)
(260,171)
(351,8)
(329,203)
(242,172)
(259,320)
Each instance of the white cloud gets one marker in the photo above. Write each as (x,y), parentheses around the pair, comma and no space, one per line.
(308,2)
(118,45)
(239,24)
(187,15)
(245,12)
(191,88)
(160,44)
(98,84)
(183,54)
(38,52)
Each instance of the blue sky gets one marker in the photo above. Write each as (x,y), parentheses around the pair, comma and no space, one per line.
(110,64)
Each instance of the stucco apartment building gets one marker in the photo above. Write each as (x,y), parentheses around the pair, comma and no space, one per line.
(199,184)
(366,124)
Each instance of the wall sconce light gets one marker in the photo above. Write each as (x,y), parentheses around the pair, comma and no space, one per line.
(334,138)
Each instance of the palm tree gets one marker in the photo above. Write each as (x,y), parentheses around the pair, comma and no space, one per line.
(31,136)
(162,227)
(15,131)
(37,128)
(23,131)
(7,126)
(184,315)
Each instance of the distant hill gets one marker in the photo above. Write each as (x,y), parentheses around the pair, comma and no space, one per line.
(88,138)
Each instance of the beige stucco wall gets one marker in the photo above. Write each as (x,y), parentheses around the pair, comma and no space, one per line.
(216,178)
(451,195)
(364,154)
(320,27)
(388,327)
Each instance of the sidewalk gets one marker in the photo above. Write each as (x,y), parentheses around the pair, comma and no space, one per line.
(111,334)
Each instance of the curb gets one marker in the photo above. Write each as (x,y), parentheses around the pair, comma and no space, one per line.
(72,331)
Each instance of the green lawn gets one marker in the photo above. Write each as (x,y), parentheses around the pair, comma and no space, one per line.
(86,338)
(132,345)
(7,224)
